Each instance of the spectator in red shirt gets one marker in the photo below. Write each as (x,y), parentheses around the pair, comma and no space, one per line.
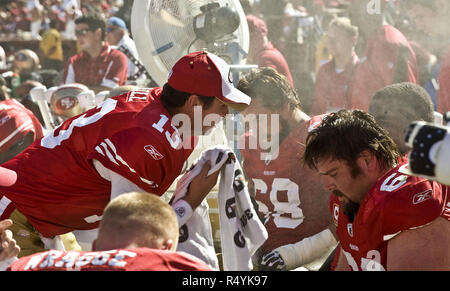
(388,57)
(333,80)
(261,50)
(97,66)
(431,16)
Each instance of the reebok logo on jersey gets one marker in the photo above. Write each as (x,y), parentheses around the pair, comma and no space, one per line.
(153,152)
(422,196)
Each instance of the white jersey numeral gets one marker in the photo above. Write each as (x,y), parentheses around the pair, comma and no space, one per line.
(292,206)
(175,139)
(371,263)
(391,184)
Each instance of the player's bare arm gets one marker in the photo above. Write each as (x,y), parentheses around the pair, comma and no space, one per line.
(420,249)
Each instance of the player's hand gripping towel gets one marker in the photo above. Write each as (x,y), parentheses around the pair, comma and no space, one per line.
(241,232)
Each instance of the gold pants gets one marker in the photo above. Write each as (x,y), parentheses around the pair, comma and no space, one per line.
(27,237)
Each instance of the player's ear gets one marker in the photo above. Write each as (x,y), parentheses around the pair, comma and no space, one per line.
(194,100)
(367,161)
(168,245)
(188,107)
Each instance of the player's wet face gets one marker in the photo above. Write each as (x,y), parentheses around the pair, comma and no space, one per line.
(341,178)
(263,116)
(213,114)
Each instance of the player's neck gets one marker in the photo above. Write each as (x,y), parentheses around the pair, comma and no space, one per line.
(297,117)
(289,121)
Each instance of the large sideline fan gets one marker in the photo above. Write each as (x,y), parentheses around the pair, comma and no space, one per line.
(165,30)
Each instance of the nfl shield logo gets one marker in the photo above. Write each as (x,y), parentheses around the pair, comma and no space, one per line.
(180,211)
(268,159)
(350,229)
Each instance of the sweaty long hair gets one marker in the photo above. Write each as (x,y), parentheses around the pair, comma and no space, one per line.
(268,86)
(345,135)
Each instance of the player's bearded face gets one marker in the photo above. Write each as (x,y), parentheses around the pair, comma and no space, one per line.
(345,180)
(349,207)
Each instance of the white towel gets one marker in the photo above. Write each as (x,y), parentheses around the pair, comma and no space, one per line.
(241,232)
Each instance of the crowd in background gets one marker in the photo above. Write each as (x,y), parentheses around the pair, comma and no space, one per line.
(300,31)
(27,19)
(297,29)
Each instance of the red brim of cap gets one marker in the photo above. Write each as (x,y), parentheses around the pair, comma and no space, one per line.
(7,177)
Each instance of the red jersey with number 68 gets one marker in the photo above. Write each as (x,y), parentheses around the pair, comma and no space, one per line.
(397,202)
(289,194)
(59,190)
(139,259)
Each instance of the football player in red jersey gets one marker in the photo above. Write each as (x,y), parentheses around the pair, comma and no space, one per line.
(388,57)
(128,143)
(139,232)
(386,219)
(291,202)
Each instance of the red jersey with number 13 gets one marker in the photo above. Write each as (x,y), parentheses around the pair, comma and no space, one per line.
(59,190)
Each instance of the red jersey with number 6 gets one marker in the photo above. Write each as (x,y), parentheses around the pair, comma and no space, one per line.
(59,190)
(397,202)
(289,194)
(139,259)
